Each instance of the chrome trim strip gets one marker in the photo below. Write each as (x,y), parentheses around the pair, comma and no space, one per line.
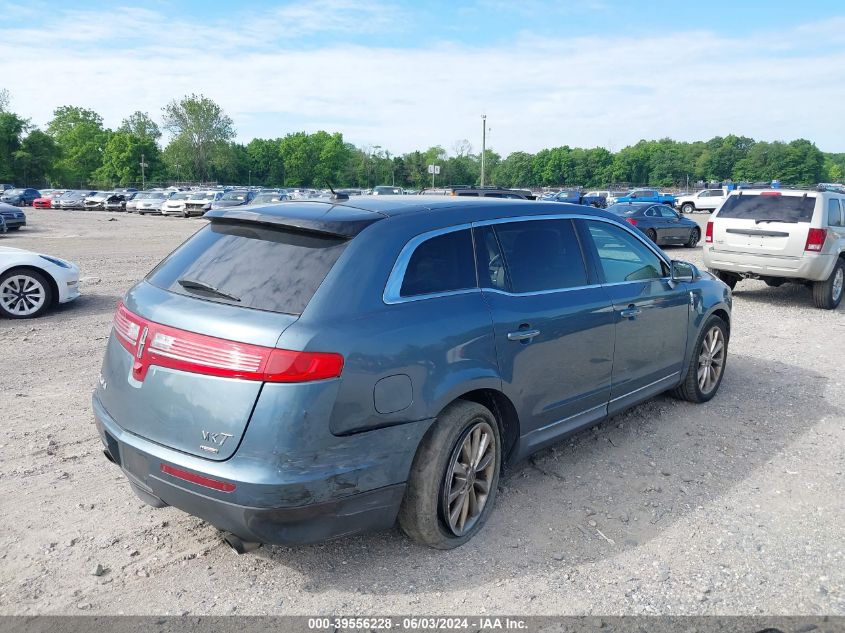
(535,293)
(651,384)
(393,287)
(571,417)
(577,216)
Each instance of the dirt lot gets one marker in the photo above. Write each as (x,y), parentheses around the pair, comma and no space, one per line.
(733,507)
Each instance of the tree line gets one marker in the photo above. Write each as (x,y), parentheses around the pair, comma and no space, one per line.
(76,150)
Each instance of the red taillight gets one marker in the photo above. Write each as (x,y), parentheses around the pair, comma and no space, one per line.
(815,240)
(200,480)
(708,232)
(631,221)
(164,346)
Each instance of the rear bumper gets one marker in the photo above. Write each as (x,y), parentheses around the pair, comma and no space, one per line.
(267,506)
(812,266)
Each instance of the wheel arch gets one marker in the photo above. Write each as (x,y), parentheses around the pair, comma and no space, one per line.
(54,286)
(505,413)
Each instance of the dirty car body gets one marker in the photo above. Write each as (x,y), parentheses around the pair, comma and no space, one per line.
(288,407)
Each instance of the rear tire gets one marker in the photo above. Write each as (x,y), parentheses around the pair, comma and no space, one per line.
(828,294)
(694,236)
(652,235)
(434,489)
(710,354)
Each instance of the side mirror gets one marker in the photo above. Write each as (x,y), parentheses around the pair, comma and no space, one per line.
(682,271)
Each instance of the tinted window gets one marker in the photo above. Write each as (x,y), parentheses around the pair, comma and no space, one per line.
(666,212)
(777,207)
(541,255)
(461,193)
(440,264)
(491,264)
(623,257)
(834,215)
(267,268)
(651,212)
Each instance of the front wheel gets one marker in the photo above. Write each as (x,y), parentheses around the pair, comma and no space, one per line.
(687,207)
(453,480)
(827,294)
(694,236)
(707,365)
(24,294)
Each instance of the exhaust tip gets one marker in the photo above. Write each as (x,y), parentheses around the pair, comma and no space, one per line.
(238,544)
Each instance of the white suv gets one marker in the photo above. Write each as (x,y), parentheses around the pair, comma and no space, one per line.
(780,235)
(706,200)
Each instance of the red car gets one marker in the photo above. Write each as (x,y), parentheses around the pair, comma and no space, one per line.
(46,199)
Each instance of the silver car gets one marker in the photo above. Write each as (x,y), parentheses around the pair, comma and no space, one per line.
(780,235)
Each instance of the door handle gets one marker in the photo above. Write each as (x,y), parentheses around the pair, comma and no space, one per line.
(630,312)
(522,335)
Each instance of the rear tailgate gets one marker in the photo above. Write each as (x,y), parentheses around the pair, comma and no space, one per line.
(765,223)
(187,355)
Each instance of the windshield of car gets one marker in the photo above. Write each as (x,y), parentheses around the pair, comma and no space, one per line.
(202,196)
(180,196)
(267,268)
(769,206)
(234,195)
(13,192)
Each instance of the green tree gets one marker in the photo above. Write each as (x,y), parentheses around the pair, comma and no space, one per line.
(36,159)
(266,162)
(141,125)
(12,128)
(122,159)
(81,139)
(200,133)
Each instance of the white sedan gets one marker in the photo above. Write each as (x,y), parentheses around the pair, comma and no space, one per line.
(31,283)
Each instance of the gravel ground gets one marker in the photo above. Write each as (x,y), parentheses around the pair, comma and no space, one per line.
(732,507)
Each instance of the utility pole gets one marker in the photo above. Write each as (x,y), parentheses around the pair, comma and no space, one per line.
(483,144)
(177,173)
(143,176)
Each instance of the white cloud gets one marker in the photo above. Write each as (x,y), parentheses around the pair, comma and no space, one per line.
(536,92)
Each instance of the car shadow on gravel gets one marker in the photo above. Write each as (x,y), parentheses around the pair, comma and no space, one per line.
(87,304)
(786,295)
(596,495)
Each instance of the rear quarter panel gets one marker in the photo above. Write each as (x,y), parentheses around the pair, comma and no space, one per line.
(444,345)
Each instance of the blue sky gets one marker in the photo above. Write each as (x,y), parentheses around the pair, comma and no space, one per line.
(407,75)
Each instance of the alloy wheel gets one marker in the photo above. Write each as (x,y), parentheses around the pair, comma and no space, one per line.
(22,295)
(711,360)
(838,282)
(693,238)
(471,471)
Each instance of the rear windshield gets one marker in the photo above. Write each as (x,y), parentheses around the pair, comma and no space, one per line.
(266,268)
(778,208)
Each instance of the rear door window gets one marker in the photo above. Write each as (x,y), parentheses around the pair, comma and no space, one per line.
(834,213)
(250,265)
(441,264)
(541,255)
(772,207)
